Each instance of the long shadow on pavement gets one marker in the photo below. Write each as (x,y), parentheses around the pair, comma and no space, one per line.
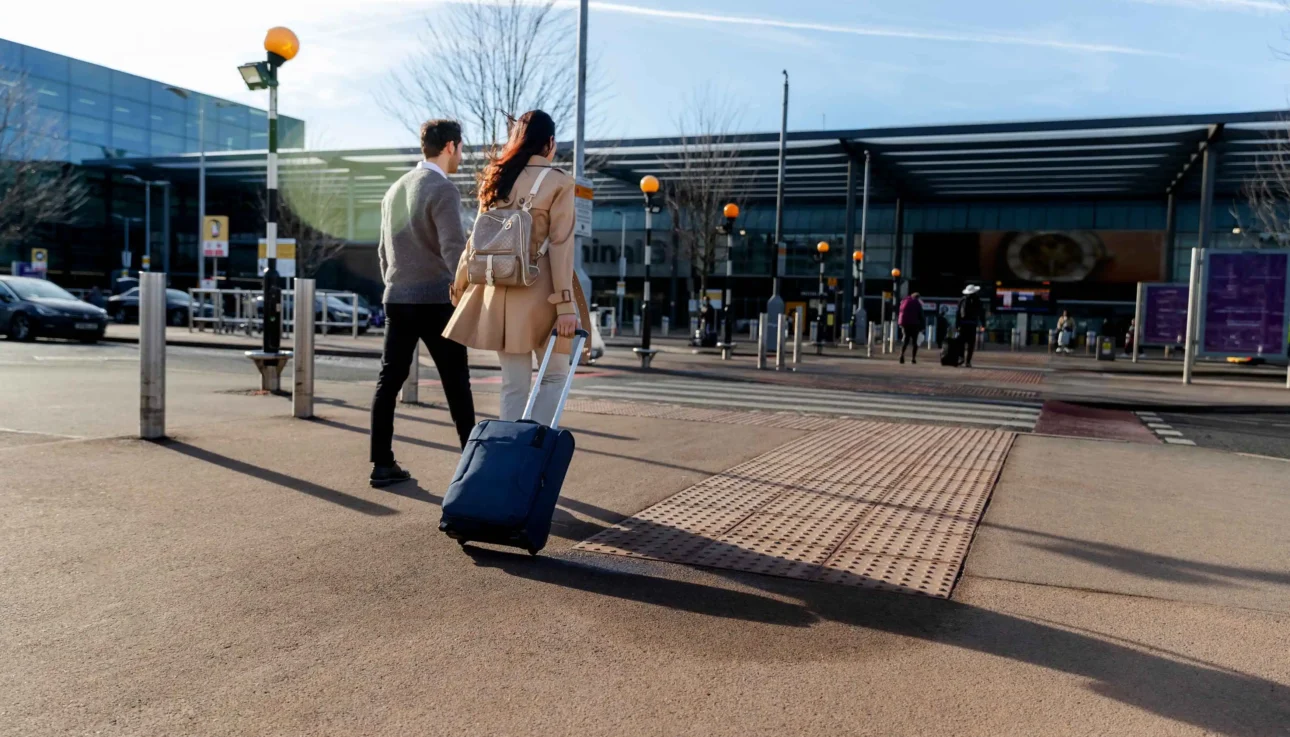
(317,491)
(441,423)
(1147,564)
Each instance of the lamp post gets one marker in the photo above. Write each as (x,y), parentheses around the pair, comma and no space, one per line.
(125,248)
(731,213)
(857,269)
(622,269)
(821,255)
(147,214)
(649,187)
(895,308)
(184,94)
(282,46)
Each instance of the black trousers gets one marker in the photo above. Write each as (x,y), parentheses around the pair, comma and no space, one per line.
(968,331)
(910,339)
(404,326)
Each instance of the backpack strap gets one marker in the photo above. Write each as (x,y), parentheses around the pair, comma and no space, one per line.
(537,184)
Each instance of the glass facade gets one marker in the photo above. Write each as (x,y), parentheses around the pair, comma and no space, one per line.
(86,111)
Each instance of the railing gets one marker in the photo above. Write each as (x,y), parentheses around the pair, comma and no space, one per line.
(239,310)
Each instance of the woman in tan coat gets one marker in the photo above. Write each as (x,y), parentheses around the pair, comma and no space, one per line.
(517,321)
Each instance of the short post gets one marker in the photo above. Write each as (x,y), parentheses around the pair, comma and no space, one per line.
(667,325)
(815,330)
(152,355)
(755,329)
(1137,323)
(353,314)
(1090,342)
(411,386)
(1013,339)
(302,334)
(636,325)
(868,340)
(798,319)
(779,342)
(1052,340)
(1193,311)
(760,329)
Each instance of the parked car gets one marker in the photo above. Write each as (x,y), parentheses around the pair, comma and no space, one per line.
(35,307)
(340,311)
(124,307)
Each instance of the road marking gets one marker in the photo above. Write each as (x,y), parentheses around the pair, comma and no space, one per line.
(832,403)
(16,431)
(1162,429)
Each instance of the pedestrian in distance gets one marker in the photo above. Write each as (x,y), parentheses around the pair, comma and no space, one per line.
(421,241)
(517,320)
(942,327)
(912,321)
(971,316)
(1065,333)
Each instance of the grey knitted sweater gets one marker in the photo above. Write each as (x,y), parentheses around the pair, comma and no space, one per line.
(421,238)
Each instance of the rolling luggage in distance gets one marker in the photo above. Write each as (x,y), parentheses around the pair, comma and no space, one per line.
(510,474)
(952,350)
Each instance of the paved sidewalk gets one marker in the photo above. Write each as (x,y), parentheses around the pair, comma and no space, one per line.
(243,580)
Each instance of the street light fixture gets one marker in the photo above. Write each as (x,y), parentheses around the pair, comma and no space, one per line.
(649,188)
(282,46)
(147,215)
(821,255)
(621,289)
(731,213)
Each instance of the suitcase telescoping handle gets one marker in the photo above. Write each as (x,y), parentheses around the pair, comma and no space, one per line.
(580,337)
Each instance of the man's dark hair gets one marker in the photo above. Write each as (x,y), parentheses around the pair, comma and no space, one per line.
(435,134)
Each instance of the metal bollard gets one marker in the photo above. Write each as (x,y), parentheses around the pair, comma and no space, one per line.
(1052,340)
(797,335)
(815,331)
(636,325)
(755,329)
(667,325)
(760,329)
(411,386)
(1090,343)
(868,341)
(779,342)
(152,355)
(1013,339)
(353,314)
(302,393)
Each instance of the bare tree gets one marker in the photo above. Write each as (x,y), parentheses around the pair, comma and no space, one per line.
(312,210)
(703,179)
(1268,192)
(37,188)
(484,59)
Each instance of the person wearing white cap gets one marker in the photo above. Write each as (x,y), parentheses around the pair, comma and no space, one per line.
(971,315)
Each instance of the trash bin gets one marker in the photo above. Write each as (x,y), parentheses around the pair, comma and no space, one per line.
(1106,348)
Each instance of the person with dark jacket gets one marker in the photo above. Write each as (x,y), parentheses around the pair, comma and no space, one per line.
(971,315)
(912,321)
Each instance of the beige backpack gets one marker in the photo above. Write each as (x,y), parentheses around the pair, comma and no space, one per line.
(500,250)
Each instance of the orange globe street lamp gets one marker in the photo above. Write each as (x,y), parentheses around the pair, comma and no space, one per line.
(649,188)
(727,345)
(821,255)
(281,46)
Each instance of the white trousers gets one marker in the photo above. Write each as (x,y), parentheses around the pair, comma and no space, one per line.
(517,379)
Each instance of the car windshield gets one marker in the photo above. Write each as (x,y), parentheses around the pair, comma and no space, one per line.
(334,301)
(177,294)
(38,289)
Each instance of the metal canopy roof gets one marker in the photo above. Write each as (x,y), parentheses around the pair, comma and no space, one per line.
(1120,158)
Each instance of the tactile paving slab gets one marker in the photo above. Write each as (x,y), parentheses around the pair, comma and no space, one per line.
(870,504)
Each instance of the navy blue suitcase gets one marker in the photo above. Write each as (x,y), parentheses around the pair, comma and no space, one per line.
(509,477)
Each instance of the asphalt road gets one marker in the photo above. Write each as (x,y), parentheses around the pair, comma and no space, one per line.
(1257,434)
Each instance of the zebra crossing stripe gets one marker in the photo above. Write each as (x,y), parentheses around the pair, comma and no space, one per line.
(1162,429)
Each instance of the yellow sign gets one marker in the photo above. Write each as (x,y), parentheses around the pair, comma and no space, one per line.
(886,295)
(833,282)
(286,249)
(40,259)
(215,236)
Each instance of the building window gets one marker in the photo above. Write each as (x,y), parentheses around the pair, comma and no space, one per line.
(128,85)
(40,63)
(93,76)
(163,97)
(170,122)
(129,138)
(164,145)
(89,102)
(48,94)
(78,152)
(89,130)
(130,112)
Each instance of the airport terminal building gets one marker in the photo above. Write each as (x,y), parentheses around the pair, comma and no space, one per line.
(1077,211)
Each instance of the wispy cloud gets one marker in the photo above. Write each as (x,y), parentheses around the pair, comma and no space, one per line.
(992,38)
(1242,6)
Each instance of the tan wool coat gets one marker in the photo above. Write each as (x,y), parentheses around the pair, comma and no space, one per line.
(520,319)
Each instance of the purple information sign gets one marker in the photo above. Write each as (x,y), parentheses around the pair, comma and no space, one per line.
(1164,314)
(1245,303)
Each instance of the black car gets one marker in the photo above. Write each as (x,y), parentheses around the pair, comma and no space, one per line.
(124,307)
(34,307)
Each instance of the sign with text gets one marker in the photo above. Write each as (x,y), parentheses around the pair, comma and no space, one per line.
(584,195)
(1245,301)
(215,236)
(1164,314)
(40,259)
(286,265)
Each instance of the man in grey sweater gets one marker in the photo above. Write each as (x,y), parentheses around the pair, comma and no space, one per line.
(421,241)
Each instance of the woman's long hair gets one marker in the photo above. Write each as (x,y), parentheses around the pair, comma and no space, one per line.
(529,136)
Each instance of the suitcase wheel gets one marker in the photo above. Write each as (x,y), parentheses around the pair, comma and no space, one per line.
(533,552)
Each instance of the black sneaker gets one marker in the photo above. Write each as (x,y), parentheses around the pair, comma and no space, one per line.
(902,359)
(383,476)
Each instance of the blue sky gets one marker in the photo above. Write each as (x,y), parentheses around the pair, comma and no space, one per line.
(853,63)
